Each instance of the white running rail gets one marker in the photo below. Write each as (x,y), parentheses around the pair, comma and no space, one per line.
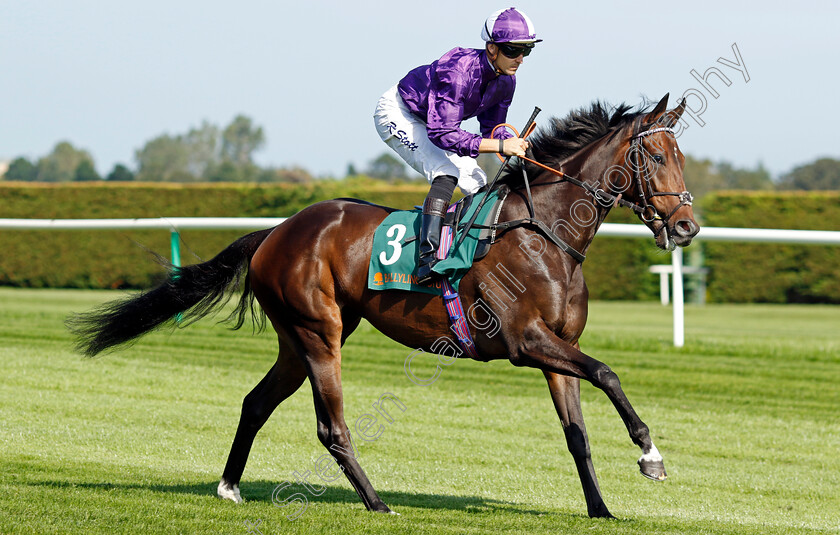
(616,230)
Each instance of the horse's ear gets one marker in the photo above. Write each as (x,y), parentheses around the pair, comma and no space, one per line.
(674,115)
(657,112)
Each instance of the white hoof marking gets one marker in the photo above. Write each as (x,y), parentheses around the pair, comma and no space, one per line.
(652,456)
(228,492)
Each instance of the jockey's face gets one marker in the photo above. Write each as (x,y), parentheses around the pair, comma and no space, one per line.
(503,64)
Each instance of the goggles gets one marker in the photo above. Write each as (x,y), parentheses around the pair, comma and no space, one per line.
(514,51)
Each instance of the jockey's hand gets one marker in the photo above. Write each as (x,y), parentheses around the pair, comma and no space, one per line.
(515,146)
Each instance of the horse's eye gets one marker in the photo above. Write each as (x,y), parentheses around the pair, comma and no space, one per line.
(658,158)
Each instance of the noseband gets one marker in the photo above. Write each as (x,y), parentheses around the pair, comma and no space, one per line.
(648,212)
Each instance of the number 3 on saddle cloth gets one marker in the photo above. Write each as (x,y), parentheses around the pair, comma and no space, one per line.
(393,262)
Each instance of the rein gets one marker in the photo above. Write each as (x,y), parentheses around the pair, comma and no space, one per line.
(599,193)
(646,211)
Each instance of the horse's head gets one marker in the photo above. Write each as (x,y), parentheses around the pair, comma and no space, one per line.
(655,163)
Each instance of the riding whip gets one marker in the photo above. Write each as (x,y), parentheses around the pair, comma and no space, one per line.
(490,188)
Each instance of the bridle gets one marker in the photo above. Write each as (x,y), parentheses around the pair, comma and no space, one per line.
(647,212)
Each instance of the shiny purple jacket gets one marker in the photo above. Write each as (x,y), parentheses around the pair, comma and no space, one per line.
(460,85)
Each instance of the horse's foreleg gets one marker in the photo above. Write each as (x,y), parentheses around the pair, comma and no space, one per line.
(565,392)
(544,350)
(283,380)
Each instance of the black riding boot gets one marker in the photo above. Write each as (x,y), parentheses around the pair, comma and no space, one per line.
(430,226)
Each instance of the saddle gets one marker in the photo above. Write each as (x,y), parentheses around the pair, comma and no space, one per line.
(393,261)
(487,229)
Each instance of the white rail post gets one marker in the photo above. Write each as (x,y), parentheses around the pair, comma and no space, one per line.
(679,309)
(664,290)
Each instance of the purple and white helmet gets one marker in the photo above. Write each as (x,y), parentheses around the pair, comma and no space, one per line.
(509,26)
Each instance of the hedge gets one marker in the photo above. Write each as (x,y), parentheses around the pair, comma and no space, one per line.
(122,259)
(769,273)
(615,268)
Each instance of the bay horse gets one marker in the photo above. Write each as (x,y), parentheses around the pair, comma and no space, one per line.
(309,276)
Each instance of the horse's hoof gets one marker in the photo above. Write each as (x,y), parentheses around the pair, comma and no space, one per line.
(600,512)
(226,491)
(654,470)
(383,509)
(651,465)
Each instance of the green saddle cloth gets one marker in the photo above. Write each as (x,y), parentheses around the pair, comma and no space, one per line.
(393,262)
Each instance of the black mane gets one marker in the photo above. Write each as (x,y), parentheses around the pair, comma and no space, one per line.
(561,138)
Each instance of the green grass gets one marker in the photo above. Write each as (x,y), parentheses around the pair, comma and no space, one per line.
(747,416)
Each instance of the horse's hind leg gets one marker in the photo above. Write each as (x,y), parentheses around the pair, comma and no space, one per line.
(565,392)
(283,380)
(322,352)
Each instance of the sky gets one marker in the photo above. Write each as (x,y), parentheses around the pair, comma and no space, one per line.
(108,76)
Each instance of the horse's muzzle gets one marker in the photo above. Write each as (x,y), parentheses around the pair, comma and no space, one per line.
(684,230)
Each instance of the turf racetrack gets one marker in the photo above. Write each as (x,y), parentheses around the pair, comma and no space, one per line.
(747,416)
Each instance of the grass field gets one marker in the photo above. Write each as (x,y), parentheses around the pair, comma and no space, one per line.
(747,416)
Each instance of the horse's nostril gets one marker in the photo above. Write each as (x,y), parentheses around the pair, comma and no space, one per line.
(686,228)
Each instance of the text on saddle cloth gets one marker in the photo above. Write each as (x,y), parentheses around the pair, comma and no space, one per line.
(393,263)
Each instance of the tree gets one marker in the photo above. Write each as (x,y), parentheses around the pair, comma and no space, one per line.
(734,178)
(203,153)
(227,171)
(387,167)
(164,159)
(85,172)
(21,169)
(823,174)
(120,173)
(202,146)
(704,176)
(240,140)
(182,158)
(61,164)
(701,177)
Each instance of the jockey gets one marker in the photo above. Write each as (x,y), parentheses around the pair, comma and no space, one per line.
(420,118)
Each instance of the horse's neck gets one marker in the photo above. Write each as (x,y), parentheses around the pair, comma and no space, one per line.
(572,212)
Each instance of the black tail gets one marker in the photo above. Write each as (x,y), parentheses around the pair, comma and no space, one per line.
(192,291)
